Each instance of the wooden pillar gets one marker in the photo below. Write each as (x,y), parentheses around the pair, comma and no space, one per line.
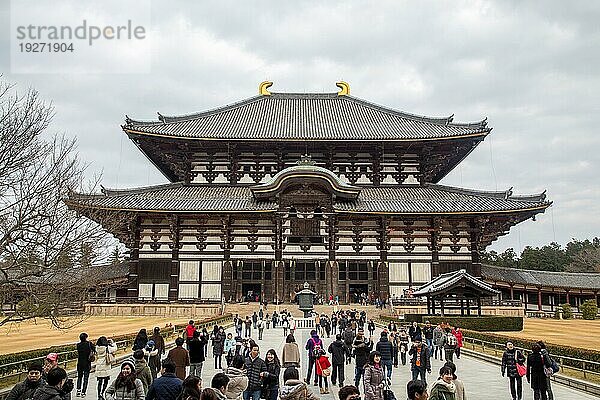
(435,259)
(133,235)
(174,229)
(468,307)
(383,276)
(432,305)
(525,297)
(442,305)
(568,299)
(512,292)
(539,298)
(462,307)
(475,235)
(479,306)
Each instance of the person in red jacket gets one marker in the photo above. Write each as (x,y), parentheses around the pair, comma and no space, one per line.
(459,340)
(322,369)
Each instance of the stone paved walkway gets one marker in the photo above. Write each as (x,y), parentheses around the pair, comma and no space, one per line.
(482,380)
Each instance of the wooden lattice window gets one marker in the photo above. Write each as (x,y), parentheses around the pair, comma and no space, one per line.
(305,230)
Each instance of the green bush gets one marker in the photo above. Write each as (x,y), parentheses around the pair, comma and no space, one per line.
(556,351)
(567,311)
(489,323)
(589,309)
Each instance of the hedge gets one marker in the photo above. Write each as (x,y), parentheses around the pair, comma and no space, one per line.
(555,350)
(71,349)
(487,323)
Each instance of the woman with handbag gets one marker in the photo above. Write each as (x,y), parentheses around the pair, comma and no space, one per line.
(105,350)
(85,355)
(322,369)
(513,365)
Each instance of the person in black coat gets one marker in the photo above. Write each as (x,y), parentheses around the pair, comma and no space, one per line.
(339,352)
(25,389)
(419,359)
(510,359)
(414,331)
(196,349)
(362,348)
(385,347)
(535,373)
(255,369)
(141,340)
(270,377)
(85,350)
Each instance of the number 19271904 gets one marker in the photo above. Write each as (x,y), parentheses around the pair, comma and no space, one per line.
(42,47)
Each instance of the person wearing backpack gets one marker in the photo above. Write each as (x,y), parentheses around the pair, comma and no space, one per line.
(510,359)
(449,344)
(551,367)
(105,350)
(348,337)
(142,370)
(312,354)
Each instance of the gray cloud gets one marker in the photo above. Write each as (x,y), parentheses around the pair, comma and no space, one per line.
(530,67)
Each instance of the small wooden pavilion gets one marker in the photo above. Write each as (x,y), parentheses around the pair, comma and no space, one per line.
(455,290)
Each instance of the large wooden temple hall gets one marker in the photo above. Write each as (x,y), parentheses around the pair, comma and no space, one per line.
(285,188)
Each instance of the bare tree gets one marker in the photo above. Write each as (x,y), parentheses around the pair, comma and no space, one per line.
(42,242)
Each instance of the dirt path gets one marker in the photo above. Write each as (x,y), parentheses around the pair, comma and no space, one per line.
(576,332)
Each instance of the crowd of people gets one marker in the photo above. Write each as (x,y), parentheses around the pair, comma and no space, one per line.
(242,373)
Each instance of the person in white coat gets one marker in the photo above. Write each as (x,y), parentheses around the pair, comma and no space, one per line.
(105,356)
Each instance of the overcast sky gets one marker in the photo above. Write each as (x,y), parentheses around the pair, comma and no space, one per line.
(532,68)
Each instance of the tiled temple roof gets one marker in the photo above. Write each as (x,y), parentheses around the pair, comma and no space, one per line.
(306,116)
(430,198)
(449,280)
(541,278)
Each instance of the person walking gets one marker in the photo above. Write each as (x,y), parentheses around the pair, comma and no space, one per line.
(361,347)
(461,393)
(419,361)
(25,389)
(428,336)
(348,337)
(371,327)
(291,353)
(339,352)
(126,386)
(105,357)
(394,338)
(512,361)
(218,342)
(260,325)
(374,376)
(86,353)
(311,343)
(536,375)
(550,365)
(438,342)
(414,331)
(154,360)
(270,378)
(141,340)
(285,325)
(255,367)
(322,369)
(247,326)
(142,371)
(254,320)
(168,386)
(293,388)
(403,345)
(443,388)
(238,381)
(180,358)
(386,351)
(459,340)
(449,343)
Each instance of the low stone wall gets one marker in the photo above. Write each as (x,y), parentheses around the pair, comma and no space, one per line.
(184,311)
(485,310)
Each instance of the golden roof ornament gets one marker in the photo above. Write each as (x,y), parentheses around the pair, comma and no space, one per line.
(262,88)
(345,88)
